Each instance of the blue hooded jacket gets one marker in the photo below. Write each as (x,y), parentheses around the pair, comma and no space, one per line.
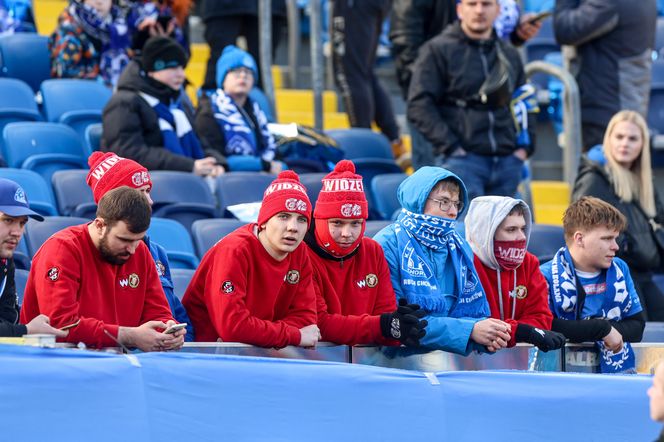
(443,332)
(164,271)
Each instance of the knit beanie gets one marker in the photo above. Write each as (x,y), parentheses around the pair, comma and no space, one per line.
(342,196)
(108,171)
(232,58)
(285,194)
(162,53)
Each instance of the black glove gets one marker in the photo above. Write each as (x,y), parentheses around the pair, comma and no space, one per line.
(545,340)
(404,324)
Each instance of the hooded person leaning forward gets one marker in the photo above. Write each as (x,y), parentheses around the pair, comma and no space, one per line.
(498,229)
(432,266)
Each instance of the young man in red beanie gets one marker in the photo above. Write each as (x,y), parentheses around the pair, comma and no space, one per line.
(355,299)
(109,171)
(255,285)
(99,281)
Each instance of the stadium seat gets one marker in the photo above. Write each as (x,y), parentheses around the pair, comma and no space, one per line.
(181,279)
(20,278)
(659,39)
(369,168)
(39,193)
(656,108)
(374,227)
(59,107)
(181,196)
(362,143)
(26,57)
(73,195)
(43,148)
(545,240)
(384,193)
(241,187)
(21,256)
(93,136)
(37,233)
(175,239)
(313,183)
(17,102)
(259,97)
(206,232)
(658,279)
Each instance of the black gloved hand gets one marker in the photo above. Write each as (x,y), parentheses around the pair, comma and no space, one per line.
(545,340)
(404,324)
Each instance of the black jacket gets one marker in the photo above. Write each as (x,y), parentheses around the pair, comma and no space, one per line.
(637,245)
(450,67)
(131,126)
(9,326)
(223,8)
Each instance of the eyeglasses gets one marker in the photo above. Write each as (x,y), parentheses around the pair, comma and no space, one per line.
(445,204)
(241,70)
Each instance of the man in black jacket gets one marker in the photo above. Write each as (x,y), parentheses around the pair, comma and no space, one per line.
(459,99)
(14,212)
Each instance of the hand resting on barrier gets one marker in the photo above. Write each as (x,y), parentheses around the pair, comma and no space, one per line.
(494,334)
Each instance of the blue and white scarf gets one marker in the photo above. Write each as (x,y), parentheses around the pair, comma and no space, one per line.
(524,101)
(417,276)
(111,31)
(616,302)
(176,129)
(14,17)
(237,128)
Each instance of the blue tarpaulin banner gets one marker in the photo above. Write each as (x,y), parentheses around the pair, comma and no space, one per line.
(70,395)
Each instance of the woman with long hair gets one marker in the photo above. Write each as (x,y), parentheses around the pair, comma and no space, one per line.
(620,173)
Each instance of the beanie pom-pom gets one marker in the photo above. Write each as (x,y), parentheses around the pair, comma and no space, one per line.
(96,157)
(288,175)
(344,166)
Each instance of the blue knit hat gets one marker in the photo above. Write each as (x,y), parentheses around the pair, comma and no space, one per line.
(232,58)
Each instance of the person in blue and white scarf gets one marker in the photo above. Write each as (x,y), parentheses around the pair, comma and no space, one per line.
(230,120)
(432,265)
(591,293)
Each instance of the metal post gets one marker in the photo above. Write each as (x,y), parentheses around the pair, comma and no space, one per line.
(317,62)
(265,47)
(293,42)
(571,142)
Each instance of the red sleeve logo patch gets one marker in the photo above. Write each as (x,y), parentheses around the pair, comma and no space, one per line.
(227,287)
(53,273)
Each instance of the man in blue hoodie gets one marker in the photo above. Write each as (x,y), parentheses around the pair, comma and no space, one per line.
(431,265)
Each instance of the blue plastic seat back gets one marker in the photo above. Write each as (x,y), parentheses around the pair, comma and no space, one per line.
(374,227)
(16,96)
(362,143)
(659,39)
(73,194)
(21,256)
(43,147)
(545,240)
(175,239)
(656,108)
(384,193)
(26,57)
(207,232)
(181,279)
(38,191)
(93,136)
(170,187)
(241,187)
(313,182)
(260,98)
(20,279)
(38,232)
(369,168)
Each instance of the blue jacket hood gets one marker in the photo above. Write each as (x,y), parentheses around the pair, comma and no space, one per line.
(415,189)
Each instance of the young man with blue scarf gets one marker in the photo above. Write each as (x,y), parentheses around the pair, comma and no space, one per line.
(431,265)
(591,293)
(146,119)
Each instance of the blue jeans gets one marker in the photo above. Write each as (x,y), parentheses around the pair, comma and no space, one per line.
(485,175)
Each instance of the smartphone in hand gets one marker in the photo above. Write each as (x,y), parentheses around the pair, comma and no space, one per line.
(175,327)
(540,16)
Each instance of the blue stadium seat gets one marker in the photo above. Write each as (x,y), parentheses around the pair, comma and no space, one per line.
(17,102)
(181,196)
(20,278)
(384,192)
(59,107)
(181,279)
(374,227)
(175,239)
(362,143)
(206,232)
(73,195)
(37,233)
(545,240)
(93,136)
(21,256)
(659,39)
(313,183)
(26,57)
(369,168)
(43,148)
(656,108)
(658,279)
(259,97)
(38,191)
(241,187)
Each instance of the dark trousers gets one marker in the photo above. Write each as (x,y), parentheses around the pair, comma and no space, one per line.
(356,27)
(223,31)
(592,135)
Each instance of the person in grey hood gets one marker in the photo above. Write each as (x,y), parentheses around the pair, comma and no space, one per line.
(431,265)
(498,229)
